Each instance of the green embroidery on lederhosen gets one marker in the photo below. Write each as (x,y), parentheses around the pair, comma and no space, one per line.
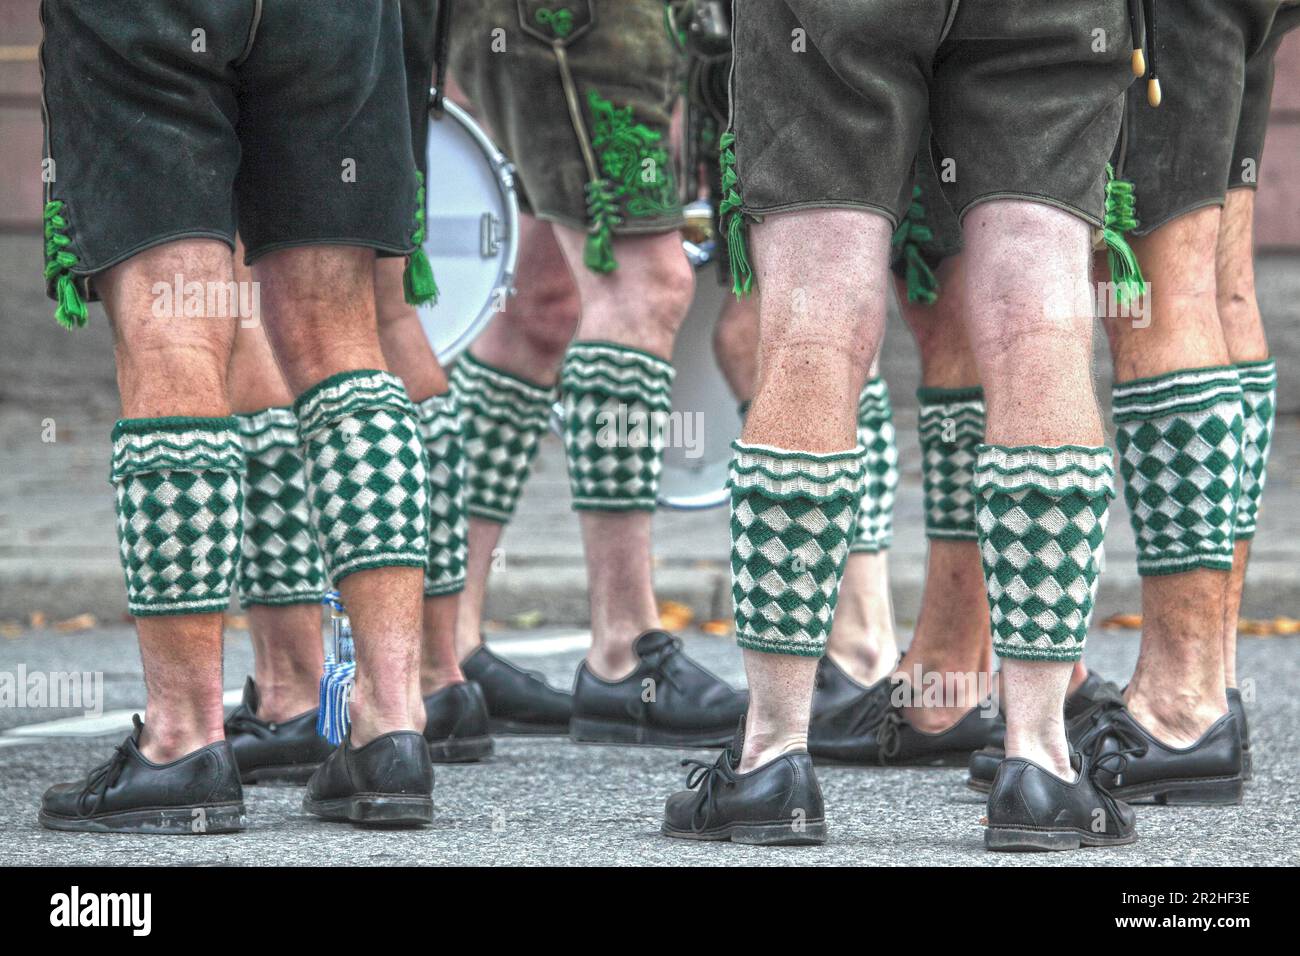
(632,159)
(559,20)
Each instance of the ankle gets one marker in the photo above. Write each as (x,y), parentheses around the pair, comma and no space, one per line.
(282,700)
(1177,720)
(762,747)
(866,661)
(439,678)
(366,726)
(612,658)
(163,742)
(1077,677)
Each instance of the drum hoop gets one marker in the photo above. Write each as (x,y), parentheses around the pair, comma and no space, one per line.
(504,174)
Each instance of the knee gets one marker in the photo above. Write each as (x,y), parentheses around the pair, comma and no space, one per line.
(545,316)
(666,287)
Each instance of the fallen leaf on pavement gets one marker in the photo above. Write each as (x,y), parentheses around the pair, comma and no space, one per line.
(82,622)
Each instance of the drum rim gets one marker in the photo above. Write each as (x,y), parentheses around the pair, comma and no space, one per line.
(504,173)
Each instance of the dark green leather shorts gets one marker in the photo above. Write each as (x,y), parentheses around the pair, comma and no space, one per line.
(1215,63)
(181,119)
(831,100)
(624,69)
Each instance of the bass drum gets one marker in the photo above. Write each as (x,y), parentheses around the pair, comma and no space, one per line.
(471,230)
(700,479)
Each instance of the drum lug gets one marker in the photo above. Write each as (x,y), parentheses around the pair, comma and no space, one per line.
(489,235)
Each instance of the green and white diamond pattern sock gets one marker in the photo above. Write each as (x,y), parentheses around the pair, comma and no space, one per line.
(792,514)
(1259,405)
(951,427)
(874,531)
(367,474)
(448,532)
(616,404)
(280,561)
(503,419)
(179,512)
(1041,515)
(1180,454)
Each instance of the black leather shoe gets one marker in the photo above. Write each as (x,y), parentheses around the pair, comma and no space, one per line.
(266,751)
(199,793)
(1033,809)
(388,782)
(855,724)
(518,701)
(1133,765)
(668,701)
(1092,693)
(456,724)
(1237,707)
(777,804)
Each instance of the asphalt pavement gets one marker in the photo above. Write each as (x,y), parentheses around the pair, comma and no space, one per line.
(552,802)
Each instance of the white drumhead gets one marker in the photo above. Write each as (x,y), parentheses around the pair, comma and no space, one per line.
(696,477)
(471,230)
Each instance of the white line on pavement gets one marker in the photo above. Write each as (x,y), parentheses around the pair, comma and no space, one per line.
(117,721)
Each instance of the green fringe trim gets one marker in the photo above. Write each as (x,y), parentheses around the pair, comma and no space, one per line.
(418,284)
(602,211)
(1121,216)
(71,310)
(922,285)
(732,219)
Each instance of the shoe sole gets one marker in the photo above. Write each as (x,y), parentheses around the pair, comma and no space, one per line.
(979,786)
(1194,792)
(288,773)
(1020,840)
(502,727)
(374,809)
(626,733)
(783,833)
(460,749)
(195,820)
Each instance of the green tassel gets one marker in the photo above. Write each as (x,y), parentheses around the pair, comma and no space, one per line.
(71,309)
(417,281)
(602,210)
(733,220)
(1121,216)
(922,283)
(418,284)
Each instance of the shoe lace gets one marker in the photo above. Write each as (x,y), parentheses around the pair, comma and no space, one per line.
(101,779)
(659,663)
(876,708)
(889,736)
(1100,728)
(706,777)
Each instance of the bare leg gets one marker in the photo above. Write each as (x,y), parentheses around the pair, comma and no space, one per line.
(640,305)
(410,357)
(320,311)
(952,629)
(526,340)
(822,318)
(288,653)
(735,344)
(173,366)
(1177,689)
(1243,330)
(1035,364)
